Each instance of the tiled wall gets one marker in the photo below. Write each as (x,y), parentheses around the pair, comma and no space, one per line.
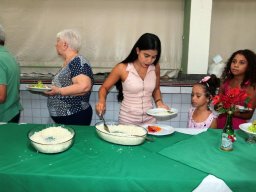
(36,111)
(35,106)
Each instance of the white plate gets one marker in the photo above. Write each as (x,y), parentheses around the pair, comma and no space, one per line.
(244,127)
(161,112)
(165,129)
(242,108)
(37,89)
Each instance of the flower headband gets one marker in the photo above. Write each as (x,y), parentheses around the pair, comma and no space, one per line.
(204,80)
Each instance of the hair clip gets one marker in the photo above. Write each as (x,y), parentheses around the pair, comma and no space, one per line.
(204,80)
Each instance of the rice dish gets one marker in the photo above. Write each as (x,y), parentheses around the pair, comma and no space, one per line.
(122,134)
(52,139)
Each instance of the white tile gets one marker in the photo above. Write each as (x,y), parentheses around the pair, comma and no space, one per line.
(109,105)
(167,89)
(43,104)
(26,95)
(27,112)
(176,98)
(183,124)
(183,117)
(186,90)
(35,96)
(37,120)
(27,120)
(175,124)
(36,113)
(185,107)
(26,103)
(43,97)
(44,113)
(176,106)
(36,104)
(185,98)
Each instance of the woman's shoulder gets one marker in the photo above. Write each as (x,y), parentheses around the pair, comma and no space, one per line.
(120,66)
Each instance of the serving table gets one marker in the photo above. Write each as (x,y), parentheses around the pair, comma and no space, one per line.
(93,164)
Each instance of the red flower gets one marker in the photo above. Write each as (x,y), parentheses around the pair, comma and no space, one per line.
(228,101)
(216,100)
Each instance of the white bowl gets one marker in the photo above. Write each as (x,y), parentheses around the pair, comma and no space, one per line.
(51,139)
(121,134)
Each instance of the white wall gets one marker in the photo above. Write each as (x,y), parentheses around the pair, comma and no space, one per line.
(199,37)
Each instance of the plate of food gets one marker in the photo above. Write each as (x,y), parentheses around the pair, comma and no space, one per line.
(39,87)
(249,128)
(159,129)
(162,112)
(242,108)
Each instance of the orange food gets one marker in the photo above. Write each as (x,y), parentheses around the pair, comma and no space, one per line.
(153,129)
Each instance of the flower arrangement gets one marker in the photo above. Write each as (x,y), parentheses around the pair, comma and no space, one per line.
(226,103)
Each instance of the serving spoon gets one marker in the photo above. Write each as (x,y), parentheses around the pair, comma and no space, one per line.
(104,124)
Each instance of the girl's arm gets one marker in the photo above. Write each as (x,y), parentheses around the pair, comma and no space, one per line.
(157,93)
(112,78)
(214,124)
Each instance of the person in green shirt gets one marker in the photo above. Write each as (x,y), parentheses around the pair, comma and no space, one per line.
(10,106)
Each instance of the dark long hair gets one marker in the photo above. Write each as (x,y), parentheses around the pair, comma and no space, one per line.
(147,41)
(210,86)
(251,69)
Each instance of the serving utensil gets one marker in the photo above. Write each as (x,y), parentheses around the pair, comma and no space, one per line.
(104,124)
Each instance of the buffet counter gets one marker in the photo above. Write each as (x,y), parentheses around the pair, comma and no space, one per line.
(93,164)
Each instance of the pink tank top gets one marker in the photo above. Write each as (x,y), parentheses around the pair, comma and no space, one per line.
(137,97)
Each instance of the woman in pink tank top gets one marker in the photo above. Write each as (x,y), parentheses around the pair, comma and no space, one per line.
(137,79)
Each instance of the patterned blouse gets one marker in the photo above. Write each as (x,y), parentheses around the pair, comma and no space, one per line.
(59,105)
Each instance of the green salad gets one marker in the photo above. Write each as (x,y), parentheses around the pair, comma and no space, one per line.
(252,128)
(39,85)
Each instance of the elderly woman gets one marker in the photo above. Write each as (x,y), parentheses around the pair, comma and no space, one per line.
(68,100)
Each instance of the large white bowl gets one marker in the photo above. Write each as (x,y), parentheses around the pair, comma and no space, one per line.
(121,134)
(45,146)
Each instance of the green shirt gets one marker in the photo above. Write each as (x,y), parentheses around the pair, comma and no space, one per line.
(9,76)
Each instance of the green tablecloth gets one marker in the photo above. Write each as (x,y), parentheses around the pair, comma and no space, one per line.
(91,164)
(237,168)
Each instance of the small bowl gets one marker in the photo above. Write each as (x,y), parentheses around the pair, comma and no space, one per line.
(121,134)
(49,140)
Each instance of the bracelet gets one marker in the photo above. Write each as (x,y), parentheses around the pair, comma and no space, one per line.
(158,100)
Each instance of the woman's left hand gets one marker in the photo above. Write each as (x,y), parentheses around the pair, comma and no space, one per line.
(54,91)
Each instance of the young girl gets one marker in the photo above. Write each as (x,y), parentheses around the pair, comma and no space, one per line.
(200,115)
(240,72)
